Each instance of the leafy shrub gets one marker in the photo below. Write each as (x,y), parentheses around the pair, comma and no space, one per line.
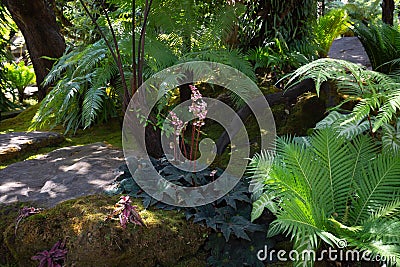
(382,44)
(362,10)
(375,93)
(278,58)
(332,189)
(328,27)
(19,77)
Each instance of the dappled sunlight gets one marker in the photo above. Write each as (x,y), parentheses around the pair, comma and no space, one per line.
(59,175)
(9,186)
(79,168)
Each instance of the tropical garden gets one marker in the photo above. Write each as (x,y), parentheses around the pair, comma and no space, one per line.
(324,192)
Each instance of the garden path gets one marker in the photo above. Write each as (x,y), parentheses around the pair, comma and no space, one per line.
(350,49)
(62,174)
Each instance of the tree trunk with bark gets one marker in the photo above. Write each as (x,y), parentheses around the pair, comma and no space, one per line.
(387,11)
(38,25)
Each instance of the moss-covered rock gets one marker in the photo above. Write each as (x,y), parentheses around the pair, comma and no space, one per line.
(303,115)
(167,240)
(8,214)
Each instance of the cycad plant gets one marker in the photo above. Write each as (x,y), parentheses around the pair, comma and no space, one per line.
(382,44)
(329,190)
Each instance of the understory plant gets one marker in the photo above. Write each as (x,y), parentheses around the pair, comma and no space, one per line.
(126,212)
(54,257)
(331,189)
(328,27)
(96,80)
(376,95)
(19,77)
(382,44)
(228,217)
(199,110)
(278,58)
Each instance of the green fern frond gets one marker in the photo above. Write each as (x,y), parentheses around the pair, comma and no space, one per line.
(92,104)
(390,210)
(375,189)
(334,161)
(266,200)
(391,137)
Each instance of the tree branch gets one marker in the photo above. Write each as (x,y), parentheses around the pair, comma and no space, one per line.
(126,97)
(142,42)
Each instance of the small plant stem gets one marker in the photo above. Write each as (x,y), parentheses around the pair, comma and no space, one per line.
(195,150)
(370,126)
(192,142)
(134,66)
(183,144)
(175,143)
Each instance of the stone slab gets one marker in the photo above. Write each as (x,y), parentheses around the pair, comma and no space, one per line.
(350,49)
(17,143)
(62,174)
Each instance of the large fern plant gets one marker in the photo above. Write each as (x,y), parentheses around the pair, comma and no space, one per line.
(328,27)
(331,189)
(375,93)
(88,84)
(83,92)
(382,44)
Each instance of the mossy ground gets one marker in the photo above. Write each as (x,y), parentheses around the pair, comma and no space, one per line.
(168,239)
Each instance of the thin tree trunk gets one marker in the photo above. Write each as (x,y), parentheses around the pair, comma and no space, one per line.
(387,11)
(38,25)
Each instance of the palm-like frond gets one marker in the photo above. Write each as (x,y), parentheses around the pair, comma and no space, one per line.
(328,190)
(344,124)
(334,161)
(377,186)
(379,238)
(382,44)
(391,137)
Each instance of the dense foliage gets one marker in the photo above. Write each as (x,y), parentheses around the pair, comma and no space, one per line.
(332,189)
(229,216)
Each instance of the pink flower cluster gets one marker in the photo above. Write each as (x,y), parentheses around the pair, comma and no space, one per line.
(198,107)
(178,123)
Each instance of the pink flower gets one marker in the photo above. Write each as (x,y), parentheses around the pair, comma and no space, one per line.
(212,173)
(198,107)
(178,123)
